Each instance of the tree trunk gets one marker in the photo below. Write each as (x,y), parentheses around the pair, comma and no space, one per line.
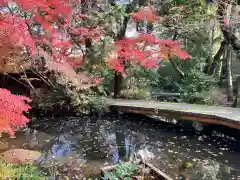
(217,59)
(177,69)
(219,70)
(229,74)
(237,100)
(117,84)
(223,72)
(149,28)
(118,79)
(210,59)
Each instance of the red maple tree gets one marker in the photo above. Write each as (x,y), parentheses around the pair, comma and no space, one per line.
(146,49)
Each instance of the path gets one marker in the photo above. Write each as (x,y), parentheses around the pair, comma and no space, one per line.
(207,114)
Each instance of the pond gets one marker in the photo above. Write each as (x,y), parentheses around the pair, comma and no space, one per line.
(77,147)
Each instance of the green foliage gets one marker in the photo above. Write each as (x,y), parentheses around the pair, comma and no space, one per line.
(98,104)
(134,93)
(124,170)
(20,172)
(107,85)
(66,100)
(51,100)
(137,83)
(195,86)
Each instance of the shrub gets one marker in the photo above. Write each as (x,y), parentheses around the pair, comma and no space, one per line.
(98,104)
(50,101)
(216,96)
(20,172)
(135,93)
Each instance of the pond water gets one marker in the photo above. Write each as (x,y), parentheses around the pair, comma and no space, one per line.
(75,147)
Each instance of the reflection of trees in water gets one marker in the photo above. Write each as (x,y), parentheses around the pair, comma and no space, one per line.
(60,150)
(36,138)
(120,143)
(62,147)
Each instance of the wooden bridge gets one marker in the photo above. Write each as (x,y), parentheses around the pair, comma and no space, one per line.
(179,111)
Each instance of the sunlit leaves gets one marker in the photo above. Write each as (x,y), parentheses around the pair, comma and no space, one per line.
(146,51)
(11,111)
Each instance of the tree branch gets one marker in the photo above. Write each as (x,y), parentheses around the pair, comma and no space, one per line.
(216,58)
(175,66)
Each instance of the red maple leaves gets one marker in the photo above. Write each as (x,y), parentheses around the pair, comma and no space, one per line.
(11,111)
(56,32)
(145,50)
(16,31)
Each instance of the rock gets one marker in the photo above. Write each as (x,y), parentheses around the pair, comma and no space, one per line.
(20,156)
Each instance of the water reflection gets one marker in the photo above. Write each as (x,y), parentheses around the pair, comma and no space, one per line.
(86,143)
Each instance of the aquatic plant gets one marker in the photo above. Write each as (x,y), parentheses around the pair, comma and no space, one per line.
(123,170)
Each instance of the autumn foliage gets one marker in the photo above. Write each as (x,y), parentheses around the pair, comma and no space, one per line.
(11,111)
(57,36)
(146,51)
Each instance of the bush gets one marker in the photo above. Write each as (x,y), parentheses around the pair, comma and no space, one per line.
(50,101)
(135,93)
(98,104)
(61,101)
(20,172)
(195,87)
(216,96)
